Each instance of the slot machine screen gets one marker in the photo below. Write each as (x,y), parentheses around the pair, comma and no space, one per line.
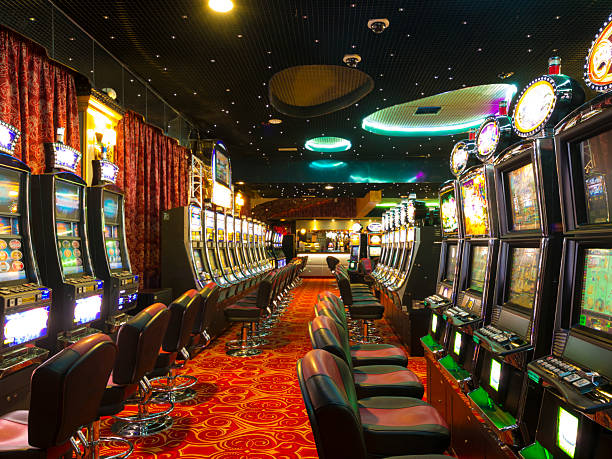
(448,212)
(523,276)
(478,264)
(375,251)
(451,262)
(474,198)
(522,199)
(596,294)
(111,208)
(22,327)
(197,258)
(12,267)
(457,344)
(355,251)
(67,214)
(567,432)
(10,191)
(113,254)
(594,155)
(67,201)
(495,375)
(87,309)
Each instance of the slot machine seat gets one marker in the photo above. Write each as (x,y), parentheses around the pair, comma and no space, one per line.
(365,354)
(66,391)
(200,336)
(364,307)
(138,343)
(370,380)
(332,262)
(173,356)
(344,427)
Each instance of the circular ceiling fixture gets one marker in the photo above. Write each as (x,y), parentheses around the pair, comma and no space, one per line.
(221,6)
(307,91)
(447,113)
(275,121)
(328,144)
(326,164)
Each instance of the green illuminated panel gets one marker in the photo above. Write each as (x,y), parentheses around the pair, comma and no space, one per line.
(328,144)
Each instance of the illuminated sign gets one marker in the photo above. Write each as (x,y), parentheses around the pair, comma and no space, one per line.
(221,196)
(434,322)
(356,227)
(459,157)
(64,157)
(534,107)
(222,177)
(567,432)
(108,171)
(457,345)
(487,138)
(597,71)
(87,309)
(495,375)
(8,138)
(374,227)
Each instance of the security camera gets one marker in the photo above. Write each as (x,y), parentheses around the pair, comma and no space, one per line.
(351,60)
(378,25)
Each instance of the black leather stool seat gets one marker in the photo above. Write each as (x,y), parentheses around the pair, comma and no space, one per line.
(239,313)
(378,354)
(391,423)
(374,380)
(370,310)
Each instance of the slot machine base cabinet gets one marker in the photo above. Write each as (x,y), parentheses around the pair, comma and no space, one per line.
(409,325)
(16,367)
(70,337)
(470,436)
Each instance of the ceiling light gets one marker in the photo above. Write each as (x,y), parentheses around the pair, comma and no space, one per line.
(328,144)
(329,187)
(275,121)
(221,6)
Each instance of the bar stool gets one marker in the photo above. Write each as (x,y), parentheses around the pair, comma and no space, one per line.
(183,313)
(139,341)
(66,391)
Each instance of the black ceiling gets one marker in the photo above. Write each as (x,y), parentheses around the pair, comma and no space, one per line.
(215,67)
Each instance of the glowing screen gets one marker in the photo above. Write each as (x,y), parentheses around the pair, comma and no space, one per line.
(534,107)
(451,262)
(478,267)
(25,326)
(87,309)
(523,199)
(448,212)
(457,345)
(434,322)
(475,213)
(597,172)
(10,184)
(222,168)
(523,276)
(71,256)
(495,375)
(113,254)
(67,201)
(567,432)
(11,260)
(111,208)
(488,138)
(596,297)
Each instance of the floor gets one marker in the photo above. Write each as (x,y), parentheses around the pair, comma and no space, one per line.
(250,407)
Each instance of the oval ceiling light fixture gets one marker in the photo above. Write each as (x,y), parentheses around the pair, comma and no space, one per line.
(306,91)
(221,6)
(275,121)
(328,144)
(326,164)
(447,113)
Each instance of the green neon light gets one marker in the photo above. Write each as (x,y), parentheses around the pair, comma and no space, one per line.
(326,164)
(387,204)
(381,128)
(328,144)
(432,204)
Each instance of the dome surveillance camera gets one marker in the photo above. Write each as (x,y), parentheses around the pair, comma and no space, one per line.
(351,60)
(378,25)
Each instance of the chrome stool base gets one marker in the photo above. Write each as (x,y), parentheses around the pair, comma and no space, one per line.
(142,429)
(246,352)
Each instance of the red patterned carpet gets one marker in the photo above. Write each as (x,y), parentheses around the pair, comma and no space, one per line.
(250,408)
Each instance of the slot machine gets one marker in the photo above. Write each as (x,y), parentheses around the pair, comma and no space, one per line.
(384,247)
(576,375)
(279,253)
(397,265)
(522,313)
(211,255)
(239,253)
(354,246)
(59,223)
(109,252)
(230,248)
(374,241)
(184,265)
(219,247)
(251,246)
(25,302)
(392,243)
(257,228)
(244,248)
(270,245)
(270,262)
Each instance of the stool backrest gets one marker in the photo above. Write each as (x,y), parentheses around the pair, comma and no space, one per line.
(329,396)
(210,295)
(325,334)
(183,313)
(139,341)
(332,262)
(366,266)
(67,389)
(339,312)
(264,290)
(344,286)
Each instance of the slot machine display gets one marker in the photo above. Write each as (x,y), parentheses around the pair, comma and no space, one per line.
(230,248)
(397,273)
(270,240)
(374,240)
(211,254)
(245,248)
(239,249)
(392,243)
(221,253)
(251,247)
(279,254)
(522,315)
(25,302)
(111,261)
(384,255)
(354,246)
(184,265)
(61,240)
(576,374)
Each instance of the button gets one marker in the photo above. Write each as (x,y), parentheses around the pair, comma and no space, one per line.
(581,382)
(571,378)
(19,300)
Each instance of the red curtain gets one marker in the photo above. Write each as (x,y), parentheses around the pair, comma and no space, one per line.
(37,96)
(154,172)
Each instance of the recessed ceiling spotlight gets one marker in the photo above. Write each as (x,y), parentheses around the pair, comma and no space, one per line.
(351,60)
(329,187)
(275,121)
(378,25)
(221,6)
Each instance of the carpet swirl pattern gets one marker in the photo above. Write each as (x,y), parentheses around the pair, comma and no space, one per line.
(249,408)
